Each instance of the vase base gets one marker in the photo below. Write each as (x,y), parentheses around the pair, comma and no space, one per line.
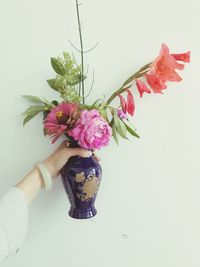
(82,213)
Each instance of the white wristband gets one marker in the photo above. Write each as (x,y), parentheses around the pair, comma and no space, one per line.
(45,174)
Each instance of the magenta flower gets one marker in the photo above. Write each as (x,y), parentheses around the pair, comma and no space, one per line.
(61,119)
(91,130)
(121,114)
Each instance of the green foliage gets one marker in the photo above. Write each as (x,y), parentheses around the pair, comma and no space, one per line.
(114,132)
(33,99)
(131,131)
(58,66)
(68,77)
(32,111)
(119,126)
(41,105)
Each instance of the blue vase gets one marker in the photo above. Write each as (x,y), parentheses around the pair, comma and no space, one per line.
(81,178)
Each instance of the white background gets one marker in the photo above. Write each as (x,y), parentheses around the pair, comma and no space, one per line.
(148,203)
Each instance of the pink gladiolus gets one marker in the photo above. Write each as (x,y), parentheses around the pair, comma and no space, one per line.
(142,88)
(91,130)
(61,119)
(185,57)
(123,103)
(130,103)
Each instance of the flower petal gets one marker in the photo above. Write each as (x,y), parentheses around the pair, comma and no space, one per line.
(142,88)
(130,103)
(123,103)
(185,57)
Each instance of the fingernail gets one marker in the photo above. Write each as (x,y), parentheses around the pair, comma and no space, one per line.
(89,153)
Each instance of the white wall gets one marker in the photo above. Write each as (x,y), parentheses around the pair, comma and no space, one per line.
(148,204)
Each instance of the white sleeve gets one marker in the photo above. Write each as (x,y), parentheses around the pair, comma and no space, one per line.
(13,221)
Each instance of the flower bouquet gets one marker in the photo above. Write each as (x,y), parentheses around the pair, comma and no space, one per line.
(92,125)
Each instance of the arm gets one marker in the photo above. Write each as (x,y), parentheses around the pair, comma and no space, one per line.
(14,204)
(33,181)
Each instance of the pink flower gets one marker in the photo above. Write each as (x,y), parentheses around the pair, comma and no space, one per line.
(91,130)
(61,119)
(156,83)
(142,88)
(121,114)
(130,103)
(185,57)
(165,65)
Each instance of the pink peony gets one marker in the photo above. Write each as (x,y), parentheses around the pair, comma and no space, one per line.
(61,119)
(91,130)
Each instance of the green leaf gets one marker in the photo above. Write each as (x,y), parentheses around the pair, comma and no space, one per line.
(104,114)
(120,127)
(58,66)
(33,109)
(131,131)
(52,84)
(115,134)
(33,99)
(29,117)
(96,102)
(76,79)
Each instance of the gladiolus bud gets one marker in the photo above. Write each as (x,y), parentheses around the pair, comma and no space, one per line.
(130,103)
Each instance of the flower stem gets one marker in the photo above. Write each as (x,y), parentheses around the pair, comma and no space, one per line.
(82,58)
(124,87)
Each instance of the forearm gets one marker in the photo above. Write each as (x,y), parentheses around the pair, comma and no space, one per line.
(31,184)
(33,181)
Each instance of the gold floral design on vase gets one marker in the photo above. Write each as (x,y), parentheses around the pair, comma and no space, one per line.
(88,186)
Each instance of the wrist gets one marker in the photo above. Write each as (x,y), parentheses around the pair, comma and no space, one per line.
(50,167)
(46,175)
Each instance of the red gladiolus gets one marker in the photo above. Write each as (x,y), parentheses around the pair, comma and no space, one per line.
(156,83)
(130,103)
(185,57)
(142,88)
(165,66)
(123,103)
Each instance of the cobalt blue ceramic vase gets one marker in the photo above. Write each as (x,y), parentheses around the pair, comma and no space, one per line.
(81,178)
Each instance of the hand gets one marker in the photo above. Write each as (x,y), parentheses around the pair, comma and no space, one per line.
(56,161)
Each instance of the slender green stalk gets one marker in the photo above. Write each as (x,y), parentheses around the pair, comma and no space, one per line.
(82,52)
(124,87)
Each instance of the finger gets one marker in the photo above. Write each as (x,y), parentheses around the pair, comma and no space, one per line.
(66,143)
(96,157)
(84,153)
